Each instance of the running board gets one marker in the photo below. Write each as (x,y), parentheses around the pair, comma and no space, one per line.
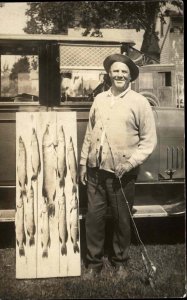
(139,211)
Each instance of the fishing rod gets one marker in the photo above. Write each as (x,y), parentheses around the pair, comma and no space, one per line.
(149,266)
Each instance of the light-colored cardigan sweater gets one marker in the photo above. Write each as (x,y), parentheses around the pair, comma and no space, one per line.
(130,131)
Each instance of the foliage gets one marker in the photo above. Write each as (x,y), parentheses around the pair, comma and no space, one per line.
(21,66)
(56,17)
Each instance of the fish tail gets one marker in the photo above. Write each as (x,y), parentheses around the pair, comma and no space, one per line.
(74,189)
(21,251)
(32,241)
(76,248)
(51,210)
(64,250)
(45,253)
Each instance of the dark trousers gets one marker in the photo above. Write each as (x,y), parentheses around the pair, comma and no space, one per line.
(102,188)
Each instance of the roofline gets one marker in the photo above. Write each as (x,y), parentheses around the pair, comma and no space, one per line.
(61,38)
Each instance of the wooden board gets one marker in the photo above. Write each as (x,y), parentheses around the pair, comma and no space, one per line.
(56,263)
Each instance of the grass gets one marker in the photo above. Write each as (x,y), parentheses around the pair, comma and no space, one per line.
(165,245)
(170,281)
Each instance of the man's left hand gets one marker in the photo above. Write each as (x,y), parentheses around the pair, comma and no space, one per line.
(121,169)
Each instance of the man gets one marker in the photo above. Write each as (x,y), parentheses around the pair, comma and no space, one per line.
(120,136)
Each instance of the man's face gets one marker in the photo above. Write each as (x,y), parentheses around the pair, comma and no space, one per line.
(119,75)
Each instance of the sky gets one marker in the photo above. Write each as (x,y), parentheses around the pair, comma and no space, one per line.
(12,18)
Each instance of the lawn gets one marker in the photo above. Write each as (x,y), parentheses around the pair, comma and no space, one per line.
(169,259)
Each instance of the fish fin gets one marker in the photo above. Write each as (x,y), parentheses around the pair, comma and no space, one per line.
(49,242)
(74,189)
(44,192)
(34,229)
(31,241)
(78,234)
(39,167)
(21,251)
(65,171)
(23,193)
(64,250)
(54,195)
(62,182)
(51,210)
(66,234)
(45,253)
(28,232)
(42,244)
(76,248)
(24,239)
(34,177)
(60,239)
(26,179)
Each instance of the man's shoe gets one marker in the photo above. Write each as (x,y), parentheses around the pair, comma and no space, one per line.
(92,273)
(121,272)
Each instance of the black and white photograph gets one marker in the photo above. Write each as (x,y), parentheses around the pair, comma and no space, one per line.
(92,150)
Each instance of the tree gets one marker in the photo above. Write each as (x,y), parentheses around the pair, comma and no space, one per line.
(21,66)
(56,17)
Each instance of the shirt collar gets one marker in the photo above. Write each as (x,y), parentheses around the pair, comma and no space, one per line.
(109,93)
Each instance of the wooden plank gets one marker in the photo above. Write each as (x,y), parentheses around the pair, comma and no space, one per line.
(26,264)
(47,266)
(70,263)
(44,257)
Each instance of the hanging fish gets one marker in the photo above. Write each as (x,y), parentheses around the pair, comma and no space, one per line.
(22,165)
(72,165)
(61,157)
(29,218)
(49,170)
(74,223)
(62,224)
(35,155)
(19,223)
(45,230)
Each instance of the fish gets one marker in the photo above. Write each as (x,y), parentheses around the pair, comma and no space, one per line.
(74,226)
(45,230)
(35,155)
(49,171)
(29,217)
(19,223)
(62,224)
(72,165)
(61,157)
(22,166)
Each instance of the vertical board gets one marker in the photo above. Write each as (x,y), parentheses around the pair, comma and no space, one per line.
(54,253)
(25,264)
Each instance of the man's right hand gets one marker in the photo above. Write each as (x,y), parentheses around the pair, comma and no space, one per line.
(83,174)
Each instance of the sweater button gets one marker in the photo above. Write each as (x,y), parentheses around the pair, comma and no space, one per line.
(98,140)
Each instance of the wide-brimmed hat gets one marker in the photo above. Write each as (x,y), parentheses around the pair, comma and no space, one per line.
(109,60)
